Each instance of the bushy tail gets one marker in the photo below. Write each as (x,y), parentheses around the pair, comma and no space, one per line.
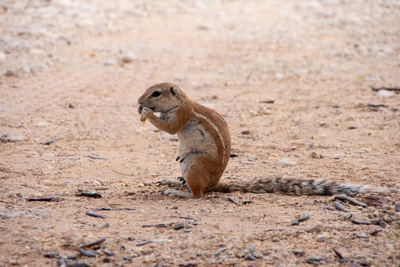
(298,187)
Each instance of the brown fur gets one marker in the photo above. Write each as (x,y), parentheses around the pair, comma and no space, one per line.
(205,146)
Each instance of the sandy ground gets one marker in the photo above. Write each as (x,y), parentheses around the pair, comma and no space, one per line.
(71,72)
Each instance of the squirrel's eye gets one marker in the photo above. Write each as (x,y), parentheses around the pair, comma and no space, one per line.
(156,93)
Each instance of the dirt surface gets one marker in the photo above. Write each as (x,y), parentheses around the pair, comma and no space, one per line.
(72,71)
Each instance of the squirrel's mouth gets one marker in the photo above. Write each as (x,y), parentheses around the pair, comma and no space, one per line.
(141,108)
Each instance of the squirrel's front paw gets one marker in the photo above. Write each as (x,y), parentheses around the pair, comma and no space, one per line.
(146,111)
(181,181)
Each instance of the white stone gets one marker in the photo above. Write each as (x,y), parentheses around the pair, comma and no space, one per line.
(287,162)
(12,137)
(25,69)
(2,57)
(42,124)
(385,93)
(110,62)
(97,183)
(129,57)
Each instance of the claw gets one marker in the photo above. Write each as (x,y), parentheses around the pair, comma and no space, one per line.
(169,182)
(182,179)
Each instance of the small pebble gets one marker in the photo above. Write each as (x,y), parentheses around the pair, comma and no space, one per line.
(2,56)
(383,224)
(348,216)
(389,246)
(110,62)
(12,137)
(106,225)
(391,212)
(387,219)
(374,221)
(315,155)
(317,228)
(360,220)
(38,68)
(179,226)
(129,57)
(108,252)
(42,124)
(275,239)
(361,235)
(287,162)
(13,262)
(173,139)
(308,203)
(299,253)
(397,208)
(10,73)
(376,214)
(87,253)
(385,93)
(250,248)
(375,232)
(25,69)
(97,183)
(249,256)
(322,238)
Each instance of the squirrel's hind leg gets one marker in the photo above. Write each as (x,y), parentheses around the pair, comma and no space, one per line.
(198,179)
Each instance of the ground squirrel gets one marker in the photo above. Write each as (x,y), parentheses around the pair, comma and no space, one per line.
(205,146)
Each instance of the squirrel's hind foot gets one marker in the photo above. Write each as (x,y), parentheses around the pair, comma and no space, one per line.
(177,193)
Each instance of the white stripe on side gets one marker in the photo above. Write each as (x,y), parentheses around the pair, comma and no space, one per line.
(216,129)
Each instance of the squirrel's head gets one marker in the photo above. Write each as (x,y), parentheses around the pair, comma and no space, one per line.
(161,97)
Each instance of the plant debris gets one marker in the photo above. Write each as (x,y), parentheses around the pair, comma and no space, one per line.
(45,199)
(93,244)
(92,214)
(303,218)
(87,194)
(350,200)
(55,139)
(395,89)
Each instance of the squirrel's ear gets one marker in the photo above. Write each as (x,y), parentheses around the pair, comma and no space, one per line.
(172,90)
